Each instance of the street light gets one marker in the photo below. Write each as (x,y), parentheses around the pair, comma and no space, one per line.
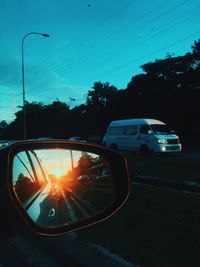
(23,83)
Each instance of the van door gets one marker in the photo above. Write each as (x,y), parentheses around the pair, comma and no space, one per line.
(115,137)
(144,137)
(130,141)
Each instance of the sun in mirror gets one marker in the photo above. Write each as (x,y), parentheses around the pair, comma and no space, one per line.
(60,186)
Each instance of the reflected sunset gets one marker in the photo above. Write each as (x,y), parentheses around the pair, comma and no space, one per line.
(59,173)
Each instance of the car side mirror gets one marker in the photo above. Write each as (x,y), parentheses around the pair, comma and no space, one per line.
(57,187)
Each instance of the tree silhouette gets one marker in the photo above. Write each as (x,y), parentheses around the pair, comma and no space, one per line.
(168,89)
(101,95)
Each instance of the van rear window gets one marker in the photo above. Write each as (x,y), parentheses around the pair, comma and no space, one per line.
(116,130)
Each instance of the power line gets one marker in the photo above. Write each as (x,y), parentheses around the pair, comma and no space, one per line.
(88,52)
(153,36)
(130,45)
(72,70)
(139,18)
(149,54)
(98,24)
(155,52)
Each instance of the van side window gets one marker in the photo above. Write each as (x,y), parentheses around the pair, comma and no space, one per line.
(131,130)
(144,129)
(116,131)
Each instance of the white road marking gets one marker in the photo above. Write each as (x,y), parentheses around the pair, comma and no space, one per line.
(70,209)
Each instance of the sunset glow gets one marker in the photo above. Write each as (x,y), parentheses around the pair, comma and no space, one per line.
(58,173)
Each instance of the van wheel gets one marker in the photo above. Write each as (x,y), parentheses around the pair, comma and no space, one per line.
(144,150)
(114,147)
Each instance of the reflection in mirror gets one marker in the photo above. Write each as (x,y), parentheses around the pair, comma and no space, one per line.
(60,187)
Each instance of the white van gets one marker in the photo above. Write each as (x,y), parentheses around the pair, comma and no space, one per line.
(141,135)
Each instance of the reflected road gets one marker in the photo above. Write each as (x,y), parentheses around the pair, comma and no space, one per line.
(59,206)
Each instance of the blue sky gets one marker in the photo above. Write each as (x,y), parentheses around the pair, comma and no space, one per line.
(89,41)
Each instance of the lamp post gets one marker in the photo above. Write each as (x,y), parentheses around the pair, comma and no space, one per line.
(23,83)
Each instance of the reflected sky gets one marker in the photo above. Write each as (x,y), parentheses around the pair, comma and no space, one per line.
(54,160)
(59,161)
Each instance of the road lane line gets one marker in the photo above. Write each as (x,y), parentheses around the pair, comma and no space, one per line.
(72,214)
(81,208)
(86,203)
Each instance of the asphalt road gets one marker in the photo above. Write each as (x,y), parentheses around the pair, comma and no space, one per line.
(67,250)
(32,251)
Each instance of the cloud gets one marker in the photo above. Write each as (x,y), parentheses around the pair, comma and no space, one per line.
(59,87)
(10,73)
(42,84)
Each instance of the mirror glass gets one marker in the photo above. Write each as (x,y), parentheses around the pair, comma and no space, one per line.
(60,186)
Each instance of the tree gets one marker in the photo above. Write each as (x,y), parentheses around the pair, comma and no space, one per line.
(99,103)
(169,90)
(42,121)
(3,124)
(196,49)
(101,95)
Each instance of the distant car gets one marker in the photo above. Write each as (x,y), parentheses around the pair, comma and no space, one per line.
(77,138)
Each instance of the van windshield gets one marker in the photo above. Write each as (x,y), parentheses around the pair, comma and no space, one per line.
(161,129)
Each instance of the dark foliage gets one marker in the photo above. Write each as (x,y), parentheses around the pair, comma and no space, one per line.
(169,90)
